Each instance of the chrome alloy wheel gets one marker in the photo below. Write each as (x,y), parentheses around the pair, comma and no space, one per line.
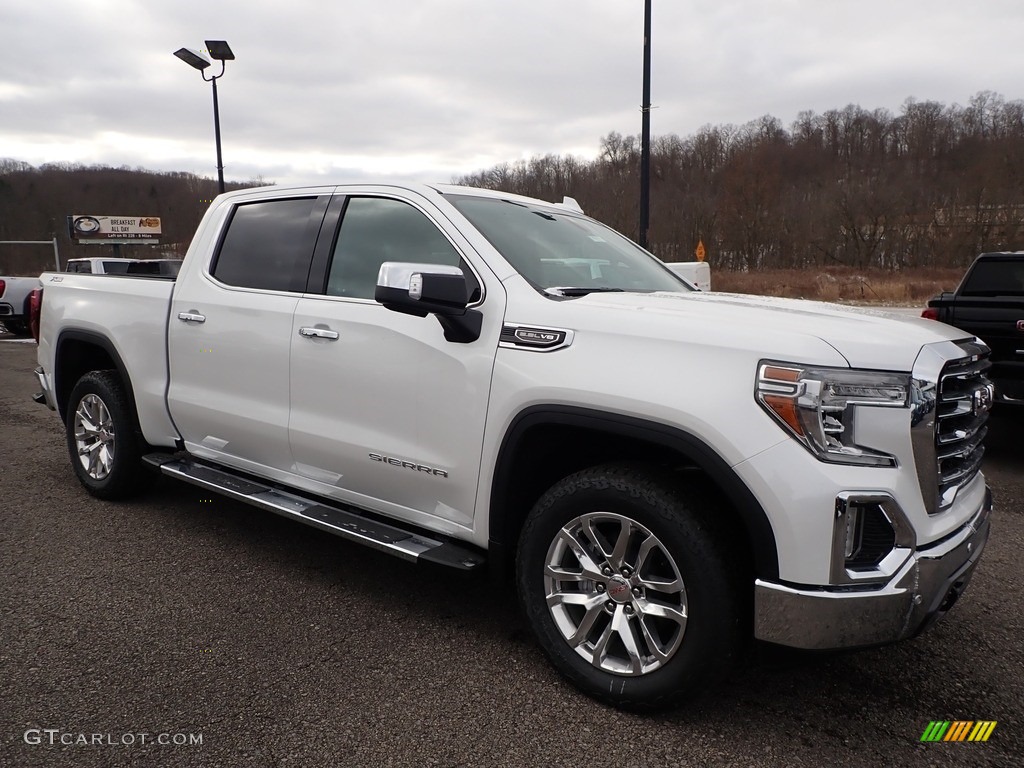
(615,593)
(94,437)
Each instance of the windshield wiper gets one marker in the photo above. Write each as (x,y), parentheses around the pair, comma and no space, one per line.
(560,291)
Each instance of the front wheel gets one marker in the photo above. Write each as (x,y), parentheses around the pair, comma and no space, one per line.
(629,586)
(101,436)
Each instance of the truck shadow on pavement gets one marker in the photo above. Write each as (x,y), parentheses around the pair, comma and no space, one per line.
(430,607)
(1005,439)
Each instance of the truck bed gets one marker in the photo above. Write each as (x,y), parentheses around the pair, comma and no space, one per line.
(130,314)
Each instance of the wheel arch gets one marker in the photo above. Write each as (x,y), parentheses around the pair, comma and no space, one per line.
(534,454)
(77,353)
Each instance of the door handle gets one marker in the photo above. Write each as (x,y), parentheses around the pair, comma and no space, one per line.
(318,333)
(191,317)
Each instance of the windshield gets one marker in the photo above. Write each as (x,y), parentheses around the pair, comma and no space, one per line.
(563,253)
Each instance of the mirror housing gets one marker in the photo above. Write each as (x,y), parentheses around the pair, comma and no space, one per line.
(425,289)
(422,289)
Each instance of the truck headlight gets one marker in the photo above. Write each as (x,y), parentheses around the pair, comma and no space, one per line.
(818,406)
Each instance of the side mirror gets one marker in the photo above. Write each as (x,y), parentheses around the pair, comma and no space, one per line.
(422,289)
(425,289)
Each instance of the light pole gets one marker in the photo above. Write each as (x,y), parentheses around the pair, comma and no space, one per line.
(219,50)
(645,133)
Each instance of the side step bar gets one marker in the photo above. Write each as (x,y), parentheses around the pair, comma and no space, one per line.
(346,523)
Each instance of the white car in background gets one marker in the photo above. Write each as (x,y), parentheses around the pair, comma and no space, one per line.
(14,297)
(99,266)
(117,266)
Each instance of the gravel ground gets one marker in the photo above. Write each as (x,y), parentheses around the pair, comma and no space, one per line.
(277,644)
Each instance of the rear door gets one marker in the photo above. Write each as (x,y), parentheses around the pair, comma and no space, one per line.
(229,333)
(385,412)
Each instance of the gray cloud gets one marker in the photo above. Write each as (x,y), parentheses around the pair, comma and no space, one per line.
(435,89)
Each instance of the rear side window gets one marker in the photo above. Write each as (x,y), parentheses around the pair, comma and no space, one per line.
(268,245)
(115,267)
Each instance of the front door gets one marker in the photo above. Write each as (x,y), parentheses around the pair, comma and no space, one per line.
(385,412)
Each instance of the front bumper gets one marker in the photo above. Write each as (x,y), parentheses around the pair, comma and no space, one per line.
(848,617)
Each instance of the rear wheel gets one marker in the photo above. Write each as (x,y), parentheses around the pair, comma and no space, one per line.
(102,440)
(628,587)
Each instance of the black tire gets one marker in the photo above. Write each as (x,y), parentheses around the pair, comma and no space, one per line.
(99,400)
(685,524)
(16,325)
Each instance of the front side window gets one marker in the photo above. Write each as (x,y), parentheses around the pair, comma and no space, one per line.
(562,253)
(268,245)
(378,229)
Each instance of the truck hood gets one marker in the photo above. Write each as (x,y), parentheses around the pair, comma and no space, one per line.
(866,337)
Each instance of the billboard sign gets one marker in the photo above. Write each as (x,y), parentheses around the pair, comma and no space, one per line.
(85,228)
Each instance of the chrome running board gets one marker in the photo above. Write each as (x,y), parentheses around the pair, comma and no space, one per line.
(344,522)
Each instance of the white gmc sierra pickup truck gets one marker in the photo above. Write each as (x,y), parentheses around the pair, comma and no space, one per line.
(468,377)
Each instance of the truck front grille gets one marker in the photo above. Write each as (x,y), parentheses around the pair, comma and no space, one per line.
(965,398)
(952,399)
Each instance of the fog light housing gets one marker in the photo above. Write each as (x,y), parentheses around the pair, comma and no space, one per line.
(872,538)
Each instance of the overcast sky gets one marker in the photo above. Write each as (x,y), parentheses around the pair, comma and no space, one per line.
(430,89)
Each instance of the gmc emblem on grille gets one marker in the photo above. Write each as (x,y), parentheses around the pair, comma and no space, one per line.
(983,399)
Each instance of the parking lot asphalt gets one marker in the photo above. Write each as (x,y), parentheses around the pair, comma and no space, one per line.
(179,616)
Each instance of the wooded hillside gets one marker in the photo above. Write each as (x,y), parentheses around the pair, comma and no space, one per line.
(34,204)
(929,187)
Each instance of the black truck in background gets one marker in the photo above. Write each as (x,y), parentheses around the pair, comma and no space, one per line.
(989,302)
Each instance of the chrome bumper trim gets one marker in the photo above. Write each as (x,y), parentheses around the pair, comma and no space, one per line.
(920,593)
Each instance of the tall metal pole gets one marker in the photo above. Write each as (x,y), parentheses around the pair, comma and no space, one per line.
(216,131)
(218,50)
(645,133)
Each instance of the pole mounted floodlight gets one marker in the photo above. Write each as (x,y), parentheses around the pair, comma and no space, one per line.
(219,50)
(192,58)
